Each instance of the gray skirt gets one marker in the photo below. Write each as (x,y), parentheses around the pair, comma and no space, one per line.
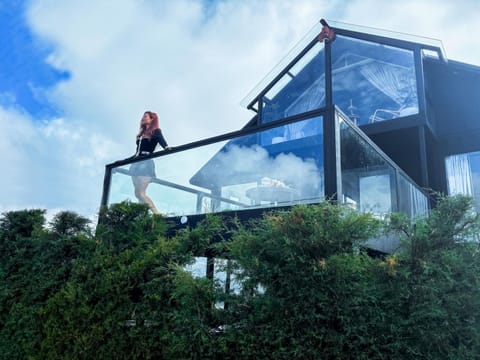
(143,168)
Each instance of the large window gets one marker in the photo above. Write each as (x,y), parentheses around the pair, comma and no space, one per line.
(373,82)
(463,175)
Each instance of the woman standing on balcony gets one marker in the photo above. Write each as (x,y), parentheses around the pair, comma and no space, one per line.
(149,135)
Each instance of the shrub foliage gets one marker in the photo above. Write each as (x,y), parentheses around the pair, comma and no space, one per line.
(302,286)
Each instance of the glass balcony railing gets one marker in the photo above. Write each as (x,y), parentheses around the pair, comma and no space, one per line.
(371,182)
(278,166)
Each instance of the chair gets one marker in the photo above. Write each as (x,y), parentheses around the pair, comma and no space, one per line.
(388,114)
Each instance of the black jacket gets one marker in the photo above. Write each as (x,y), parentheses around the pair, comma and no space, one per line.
(148,145)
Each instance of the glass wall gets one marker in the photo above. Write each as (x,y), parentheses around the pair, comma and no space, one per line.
(282,64)
(300,89)
(463,175)
(373,82)
(275,167)
(370,181)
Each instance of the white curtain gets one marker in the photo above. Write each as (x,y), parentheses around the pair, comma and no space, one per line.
(397,82)
(311,99)
(294,131)
(459,175)
(418,202)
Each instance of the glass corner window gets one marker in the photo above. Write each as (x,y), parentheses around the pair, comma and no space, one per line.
(373,82)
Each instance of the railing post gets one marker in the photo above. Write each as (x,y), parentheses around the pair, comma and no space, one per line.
(330,133)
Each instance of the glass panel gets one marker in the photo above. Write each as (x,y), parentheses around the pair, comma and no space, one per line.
(296,50)
(198,268)
(301,89)
(411,200)
(463,175)
(390,34)
(368,180)
(373,82)
(220,277)
(375,194)
(278,166)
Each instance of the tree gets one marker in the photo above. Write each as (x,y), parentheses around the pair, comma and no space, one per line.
(128,299)
(302,286)
(306,285)
(439,280)
(35,263)
(69,223)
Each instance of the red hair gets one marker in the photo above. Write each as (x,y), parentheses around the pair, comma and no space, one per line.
(154,125)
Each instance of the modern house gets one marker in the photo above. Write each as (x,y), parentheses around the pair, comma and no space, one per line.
(366,117)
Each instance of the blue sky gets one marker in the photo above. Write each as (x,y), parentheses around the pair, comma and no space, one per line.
(22,63)
(75,76)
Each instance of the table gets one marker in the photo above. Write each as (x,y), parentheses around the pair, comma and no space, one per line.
(272,194)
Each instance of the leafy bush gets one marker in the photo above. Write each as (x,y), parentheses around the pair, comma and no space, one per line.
(34,264)
(303,286)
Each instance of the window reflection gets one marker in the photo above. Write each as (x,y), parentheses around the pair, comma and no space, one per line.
(373,82)
(300,89)
(412,202)
(374,194)
(368,180)
(198,268)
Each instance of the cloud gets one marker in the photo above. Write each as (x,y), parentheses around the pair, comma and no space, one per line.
(241,165)
(453,23)
(15,129)
(191,61)
(42,168)
(166,56)
(170,57)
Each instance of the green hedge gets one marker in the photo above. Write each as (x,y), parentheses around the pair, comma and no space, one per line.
(306,289)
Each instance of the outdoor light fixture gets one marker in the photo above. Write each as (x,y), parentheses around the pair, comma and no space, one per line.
(327,34)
